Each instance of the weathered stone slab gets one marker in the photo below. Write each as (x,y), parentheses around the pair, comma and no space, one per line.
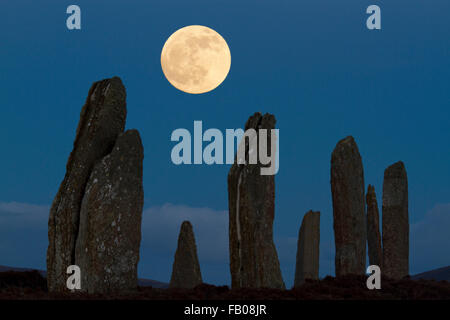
(395,222)
(107,249)
(251,198)
(307,265)
(347,188)
(102,119)
(186,268)
(373,228)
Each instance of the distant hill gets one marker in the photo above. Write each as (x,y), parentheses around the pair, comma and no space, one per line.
(437,274)
(152,283)
(5,268)
(141,282)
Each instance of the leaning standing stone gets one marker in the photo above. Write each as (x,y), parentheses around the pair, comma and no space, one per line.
(307,266)
(251,200)
(347,188)
(395,222)
(186,268)
(373,229)
(107,249)
(102,119)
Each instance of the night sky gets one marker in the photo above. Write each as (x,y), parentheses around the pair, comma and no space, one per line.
(313,64)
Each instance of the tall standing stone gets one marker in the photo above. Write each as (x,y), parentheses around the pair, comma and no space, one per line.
(251,199)
(107,249)
(186,268)
(307,266)
(373,229)
(395,222)
(102,119)
(347,188)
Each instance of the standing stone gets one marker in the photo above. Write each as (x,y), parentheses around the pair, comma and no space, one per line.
(102,119)
(251,199)
(395,222)
(186,269)
(107,249)
(373,229)
(347,188)
(307,266)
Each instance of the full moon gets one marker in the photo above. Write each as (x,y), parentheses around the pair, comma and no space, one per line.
(195,59)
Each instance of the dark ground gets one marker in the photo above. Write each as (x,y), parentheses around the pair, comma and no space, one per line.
(32,286)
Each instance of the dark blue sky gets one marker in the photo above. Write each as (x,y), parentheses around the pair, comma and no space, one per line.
(313,64)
